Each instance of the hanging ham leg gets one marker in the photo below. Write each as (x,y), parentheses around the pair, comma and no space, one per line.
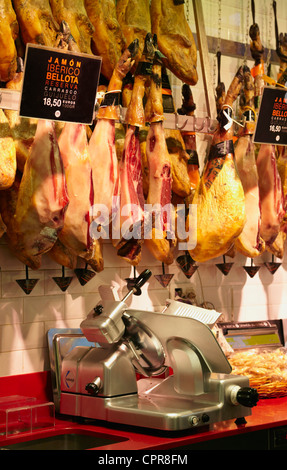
(43,197)
(271,194)
(175,39)
(249,242)
(75,233)
(9,30)
(75,14)
(129,220)
(130,216)
(219,196)
(8,202)
(105,171)
(257,51)
(36,22)
(188,109)
(160,239)
(23,129)
(7,153)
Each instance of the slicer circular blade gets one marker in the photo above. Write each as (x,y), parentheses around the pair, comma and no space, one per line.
(149,357)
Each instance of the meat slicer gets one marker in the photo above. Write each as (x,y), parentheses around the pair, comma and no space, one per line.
(162,370)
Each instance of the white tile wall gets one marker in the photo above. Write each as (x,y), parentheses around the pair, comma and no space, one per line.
(25,319)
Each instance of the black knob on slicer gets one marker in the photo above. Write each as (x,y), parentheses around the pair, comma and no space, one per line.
(94,387)
(247,396)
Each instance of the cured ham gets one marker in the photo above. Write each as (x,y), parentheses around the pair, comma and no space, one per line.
(62,255)
(75,234)
(282,170)
(219,196)
(108,40)
(175,145)
(129,220)
(36,21)
(188,108)
(43,198)
(160,239)
(281,45)
(130,215)
(175,39)
(257,51)
(8,202)
(105,171)
(271,194)
(249,242)
(23,129)
(9,31)
(135,22)
(7,153)
(75,15)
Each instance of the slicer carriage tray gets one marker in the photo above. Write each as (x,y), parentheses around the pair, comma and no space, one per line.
(176,412)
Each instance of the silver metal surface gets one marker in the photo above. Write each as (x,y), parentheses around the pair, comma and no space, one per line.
(148,352)
(175,308)
(60,342)
(99,381)
(157,406)
(108,327)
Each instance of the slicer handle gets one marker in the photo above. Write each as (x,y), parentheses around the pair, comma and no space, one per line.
(247,396)
(140,281)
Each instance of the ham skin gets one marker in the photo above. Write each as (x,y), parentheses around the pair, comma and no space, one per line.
(7,152)
(105,171)
(220,209)
(160,239)
(43,198)
(160,182)
(249,243)
(9,31)
(271,194)
(23,129)
(175,39)
(102,148)
(130,215)
(8,202)
(75,234)
(282,170)
(219,196)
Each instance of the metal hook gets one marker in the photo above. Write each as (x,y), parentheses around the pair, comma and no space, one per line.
(176,123)
(196,129)
(210,129)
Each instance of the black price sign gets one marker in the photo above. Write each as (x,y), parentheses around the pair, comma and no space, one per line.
(271,127)
(59,85)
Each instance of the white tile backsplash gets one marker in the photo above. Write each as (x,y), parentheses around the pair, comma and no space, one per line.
(12,363)
(26,319)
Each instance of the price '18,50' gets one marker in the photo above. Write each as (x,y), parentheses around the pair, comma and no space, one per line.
(53,103)
(274,128)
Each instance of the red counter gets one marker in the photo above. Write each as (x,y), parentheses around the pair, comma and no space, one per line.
(267,426)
